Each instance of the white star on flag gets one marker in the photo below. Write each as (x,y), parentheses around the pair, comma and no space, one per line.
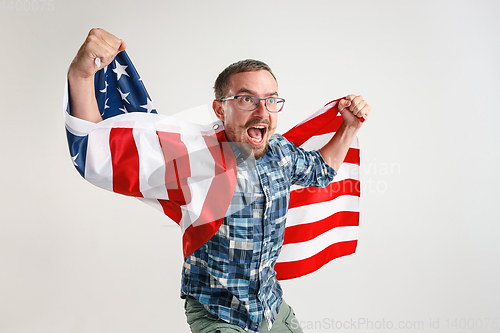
(105,87)
(124,96)
(74,159)
(149,106)
(120,70)
(124,110)
(106,106)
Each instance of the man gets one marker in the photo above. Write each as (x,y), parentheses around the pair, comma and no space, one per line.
(229,283)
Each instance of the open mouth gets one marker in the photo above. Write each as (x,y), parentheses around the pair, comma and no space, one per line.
(256,134)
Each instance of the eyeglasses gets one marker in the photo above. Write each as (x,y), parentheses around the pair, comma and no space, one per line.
(250,103)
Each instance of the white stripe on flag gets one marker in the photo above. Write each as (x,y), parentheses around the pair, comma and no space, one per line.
(202,167)
(192,211)
(98,166)
(151,161)
(347,171)
(321,210)
(164,126)
(304,250)
(78,126)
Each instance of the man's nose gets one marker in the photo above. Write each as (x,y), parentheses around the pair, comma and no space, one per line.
(261,109)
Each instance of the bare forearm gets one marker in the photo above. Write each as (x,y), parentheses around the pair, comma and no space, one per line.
(83,104)
(335,151)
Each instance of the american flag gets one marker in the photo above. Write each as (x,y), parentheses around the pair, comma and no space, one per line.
(188,171)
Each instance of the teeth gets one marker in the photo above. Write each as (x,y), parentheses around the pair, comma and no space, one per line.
(255,140)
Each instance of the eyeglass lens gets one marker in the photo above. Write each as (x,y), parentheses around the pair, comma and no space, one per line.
(250,103)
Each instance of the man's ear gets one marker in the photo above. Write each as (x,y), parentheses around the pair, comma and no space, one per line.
(219,111)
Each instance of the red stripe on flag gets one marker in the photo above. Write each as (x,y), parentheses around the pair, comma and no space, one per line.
(324,123)
(177,168)
(125,162)
(294,269)
(171,209)
(305,232)
(218,197)
(195,236)
(312,195)
(352,156)
(328,122)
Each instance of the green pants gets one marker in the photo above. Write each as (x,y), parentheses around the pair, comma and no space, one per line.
(202,321)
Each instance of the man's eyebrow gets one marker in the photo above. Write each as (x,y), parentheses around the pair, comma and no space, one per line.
(253,93)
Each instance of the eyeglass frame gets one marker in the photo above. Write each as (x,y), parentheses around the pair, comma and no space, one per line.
(253,99)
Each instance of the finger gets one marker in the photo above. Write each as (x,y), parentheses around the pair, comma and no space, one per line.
(357,104)
(343,103)
(355,99)
(123,46)
(357,109)
(366,110)
(349,100)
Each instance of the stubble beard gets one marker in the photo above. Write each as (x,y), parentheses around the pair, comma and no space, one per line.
(262,150)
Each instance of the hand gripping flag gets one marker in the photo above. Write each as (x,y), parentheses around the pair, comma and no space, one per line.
(188,171)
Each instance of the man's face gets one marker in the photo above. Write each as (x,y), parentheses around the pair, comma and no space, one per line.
(252,128)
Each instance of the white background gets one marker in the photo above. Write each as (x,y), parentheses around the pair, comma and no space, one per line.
(74,258)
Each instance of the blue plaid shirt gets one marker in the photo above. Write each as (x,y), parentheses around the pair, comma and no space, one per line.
(232,274)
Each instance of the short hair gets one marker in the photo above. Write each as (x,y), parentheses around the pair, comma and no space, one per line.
(249,65)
